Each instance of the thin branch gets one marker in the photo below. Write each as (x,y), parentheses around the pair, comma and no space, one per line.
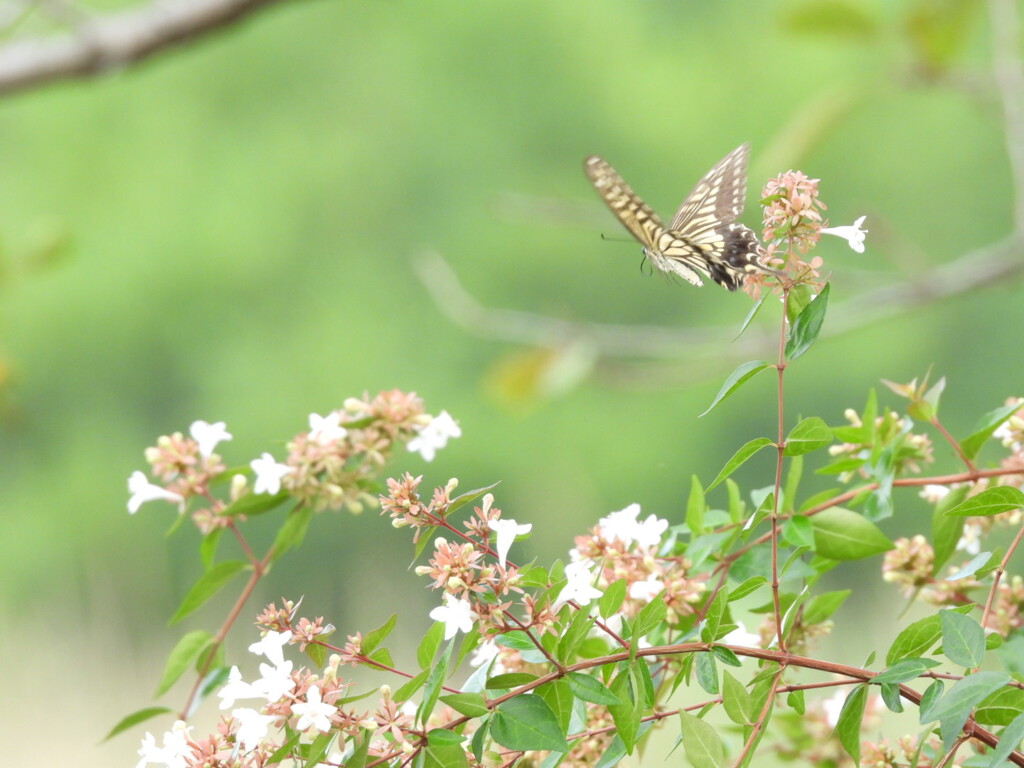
(102,43)
(707,349)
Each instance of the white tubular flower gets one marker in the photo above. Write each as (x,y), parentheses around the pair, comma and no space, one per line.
(853,234)
(326,429)
(142,490)
(434,436)
(506,532)
(269,474)
(252,727)
(314,713)
(208,435)
(580,587)
(456,614)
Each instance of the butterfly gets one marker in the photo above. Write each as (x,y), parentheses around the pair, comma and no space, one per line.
(703,237)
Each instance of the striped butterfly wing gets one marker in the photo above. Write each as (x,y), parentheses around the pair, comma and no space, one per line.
(705,224)
(634,213)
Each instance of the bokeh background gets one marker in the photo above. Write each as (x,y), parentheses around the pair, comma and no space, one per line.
(237,231)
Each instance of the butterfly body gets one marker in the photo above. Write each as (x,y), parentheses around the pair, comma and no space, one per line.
(703,237)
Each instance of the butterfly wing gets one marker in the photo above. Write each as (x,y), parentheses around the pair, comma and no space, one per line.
(635,215)
(705,224)
(717,198)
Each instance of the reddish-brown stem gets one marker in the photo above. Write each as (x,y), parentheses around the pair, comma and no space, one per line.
(780,445)
(763,715)
(835,501)
(952,441)
(259,567)
(999,575)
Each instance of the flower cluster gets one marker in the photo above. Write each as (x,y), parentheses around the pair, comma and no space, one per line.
(476,588)
(908,450)
(792,226)
(298,698)
(621,546)
(792,210)
(330,466)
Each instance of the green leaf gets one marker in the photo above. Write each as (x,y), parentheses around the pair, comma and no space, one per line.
(795,701)
(252,504)
(799,531)
(626,714)
(704,749)
(408,689)
(821,607)
(722,653)
(288,748)
(946,529)
(317,749)
(180,659)
(809,435)
(1008,741)
(736,700)
(747,587)
(590,689)
(793,475)
(993,501)
(1002,707)
(735,380)
(208,585)
(695,507)
(964,696)
(435,679)
(713,617)
(465,498)
(291,534)
(891,697)
(444,750)
(374,637)
(468,704)
(650,616)
(613,754)
(427,649)
(931,695)
(799,297)
(915,640)
(1011,654)
(840,534)
(610,602)
(904,670)
(848,726)
(140,716)
(983,430)
(574,635)
(208,548)
(807,325)
(707,673)
(752,314)
(963,640)
(737,507)
(558,696)
(740,457)
(517,640)
(976,563)
(509,680)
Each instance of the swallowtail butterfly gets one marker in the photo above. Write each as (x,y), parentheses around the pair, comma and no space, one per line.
(703,237)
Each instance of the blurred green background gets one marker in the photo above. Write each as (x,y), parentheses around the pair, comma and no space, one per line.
(242,221)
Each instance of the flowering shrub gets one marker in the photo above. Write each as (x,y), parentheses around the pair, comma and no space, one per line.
(575,663)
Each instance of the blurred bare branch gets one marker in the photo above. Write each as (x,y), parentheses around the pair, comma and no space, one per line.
(95,44)
(707,350)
